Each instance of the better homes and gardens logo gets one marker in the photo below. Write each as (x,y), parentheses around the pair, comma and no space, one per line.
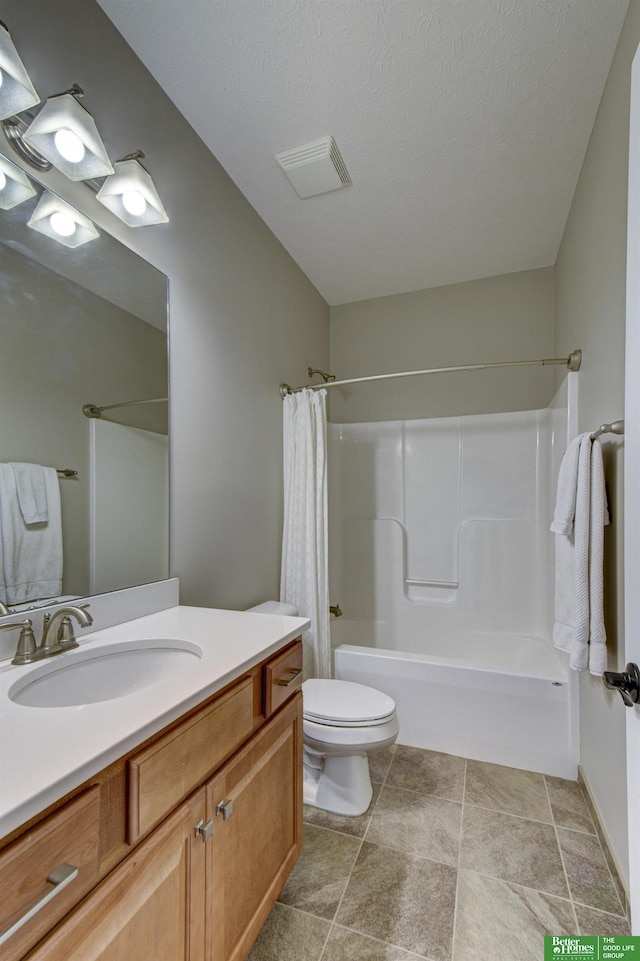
(591,948)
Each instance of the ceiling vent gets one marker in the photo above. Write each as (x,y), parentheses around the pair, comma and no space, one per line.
(315,168)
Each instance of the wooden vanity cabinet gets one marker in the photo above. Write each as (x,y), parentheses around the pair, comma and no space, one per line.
(255,803)
(208,847)
(150,908)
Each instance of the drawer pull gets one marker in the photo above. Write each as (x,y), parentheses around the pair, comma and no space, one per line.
(225,808)
(289,680)
(60,878)
(204,830)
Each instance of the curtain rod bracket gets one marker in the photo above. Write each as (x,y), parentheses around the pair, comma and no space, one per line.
(574,360)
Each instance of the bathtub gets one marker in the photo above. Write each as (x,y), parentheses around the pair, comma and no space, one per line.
(490,697)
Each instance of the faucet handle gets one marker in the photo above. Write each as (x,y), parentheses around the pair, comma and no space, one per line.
(26,650)
(66,636)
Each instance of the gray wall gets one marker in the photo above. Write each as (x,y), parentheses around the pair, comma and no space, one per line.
(496,319)
(590,299)
(243,315)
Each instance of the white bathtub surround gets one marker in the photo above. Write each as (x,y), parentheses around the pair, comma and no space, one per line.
(304,574)
(579,519)
(442,561)
(505,700)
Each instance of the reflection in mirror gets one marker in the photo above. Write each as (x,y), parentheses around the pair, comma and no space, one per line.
(80,326)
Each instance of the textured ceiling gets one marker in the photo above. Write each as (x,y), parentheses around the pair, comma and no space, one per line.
(463,123)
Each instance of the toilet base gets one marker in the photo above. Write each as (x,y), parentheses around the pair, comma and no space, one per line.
(341,785)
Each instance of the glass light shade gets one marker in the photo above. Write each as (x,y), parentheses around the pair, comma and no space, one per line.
(131,195)
(17,92)
(64,113)
(73,229)
(16,188)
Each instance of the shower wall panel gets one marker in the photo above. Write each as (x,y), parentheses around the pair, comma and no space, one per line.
(443,524)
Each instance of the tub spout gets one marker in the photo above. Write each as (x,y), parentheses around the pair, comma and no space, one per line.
(335,610)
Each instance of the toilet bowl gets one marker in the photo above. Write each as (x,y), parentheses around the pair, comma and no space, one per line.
(342,724)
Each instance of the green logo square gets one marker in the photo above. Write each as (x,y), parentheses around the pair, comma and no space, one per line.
(609,948)
(570,946)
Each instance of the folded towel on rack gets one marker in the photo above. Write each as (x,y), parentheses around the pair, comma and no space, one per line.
(579,519)
(30,554)
(32,494)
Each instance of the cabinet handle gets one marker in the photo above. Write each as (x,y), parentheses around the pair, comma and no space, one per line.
(204,830)
(60,878)
(225,808)
(294,673)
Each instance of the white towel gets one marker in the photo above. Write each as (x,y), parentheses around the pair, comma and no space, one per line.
(579,519)
(30,555)
(32,495)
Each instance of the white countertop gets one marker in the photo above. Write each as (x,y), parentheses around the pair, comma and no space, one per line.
(46,752)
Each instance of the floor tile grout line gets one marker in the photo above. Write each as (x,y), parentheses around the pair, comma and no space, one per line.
(590,907)
(525,887)
(408,790)
(455,903)
(382,785)
(562,861)
(593,816)
(509,814)
(372,937)
(338,906)
(596,837)
(409,854)
(548,777)
(615,886)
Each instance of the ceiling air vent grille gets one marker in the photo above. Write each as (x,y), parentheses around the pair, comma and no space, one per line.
(315,168)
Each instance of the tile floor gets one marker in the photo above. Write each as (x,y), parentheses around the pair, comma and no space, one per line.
(455,860)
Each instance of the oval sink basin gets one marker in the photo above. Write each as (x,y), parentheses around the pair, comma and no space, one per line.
(104,673)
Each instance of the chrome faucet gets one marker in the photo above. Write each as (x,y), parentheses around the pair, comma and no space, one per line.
(64,639)
(4,609)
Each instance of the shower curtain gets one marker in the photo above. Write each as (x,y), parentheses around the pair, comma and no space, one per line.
(304,574)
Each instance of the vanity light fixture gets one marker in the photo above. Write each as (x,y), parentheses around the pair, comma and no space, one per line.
(60,221)
(16,88)
(65,134)
(131,194)
(15,186)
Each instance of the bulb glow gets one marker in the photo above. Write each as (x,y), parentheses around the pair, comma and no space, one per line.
(62,224)
(3,180)
(69,145)
(134,202)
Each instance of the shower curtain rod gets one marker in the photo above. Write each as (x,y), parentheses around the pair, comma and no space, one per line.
(572,362)
(90,410)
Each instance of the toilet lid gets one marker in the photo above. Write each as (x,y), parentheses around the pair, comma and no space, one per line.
(343,702)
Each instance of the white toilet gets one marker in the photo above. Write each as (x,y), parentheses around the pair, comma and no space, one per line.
(343,723)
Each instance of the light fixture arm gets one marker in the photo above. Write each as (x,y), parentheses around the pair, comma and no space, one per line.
(136,155)
(75,90)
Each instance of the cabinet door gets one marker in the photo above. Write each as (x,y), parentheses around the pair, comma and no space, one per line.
(150,908)
(256,805)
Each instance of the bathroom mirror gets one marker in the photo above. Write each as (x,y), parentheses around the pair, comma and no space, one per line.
(88,326)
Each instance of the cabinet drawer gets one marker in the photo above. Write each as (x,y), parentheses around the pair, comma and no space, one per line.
(282,677)
(66,841)
(168,770)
